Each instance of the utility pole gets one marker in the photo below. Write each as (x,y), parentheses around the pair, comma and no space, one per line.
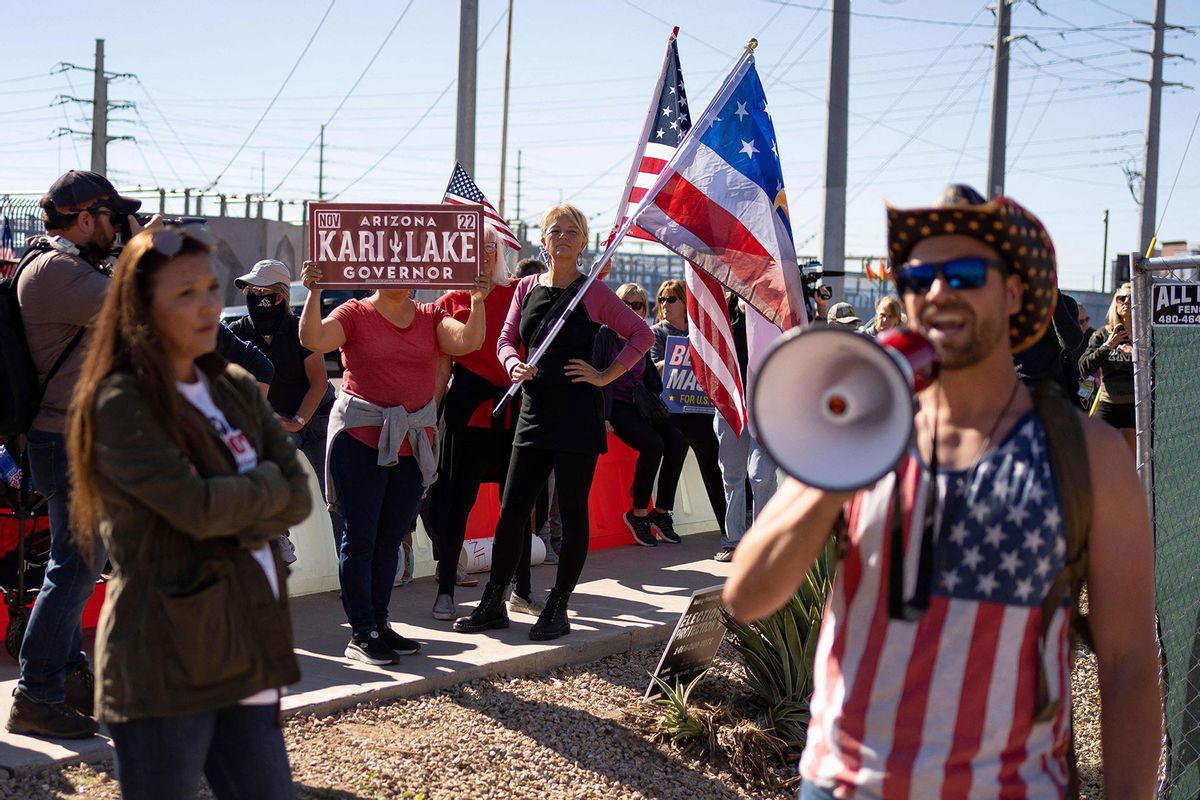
(468,34)
(1154,114)
(504,124)
(996,146)
(100,114)
(833,245)
(1104,259)
(518,184)
(321,168)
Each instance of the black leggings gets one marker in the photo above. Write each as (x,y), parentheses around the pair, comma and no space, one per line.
(528,472)
(655,445)
(697,430)
(467,453)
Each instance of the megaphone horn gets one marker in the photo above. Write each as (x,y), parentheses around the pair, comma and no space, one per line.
(835,408)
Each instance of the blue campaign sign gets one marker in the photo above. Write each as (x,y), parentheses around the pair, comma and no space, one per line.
(681,391)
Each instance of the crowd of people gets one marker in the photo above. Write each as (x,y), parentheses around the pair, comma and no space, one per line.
(181,470)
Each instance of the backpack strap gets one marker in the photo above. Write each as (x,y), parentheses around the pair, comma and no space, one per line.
(1067,450)
(37,248)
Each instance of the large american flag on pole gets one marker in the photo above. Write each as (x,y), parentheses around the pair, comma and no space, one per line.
(462,189)
(714,359)
(722,205)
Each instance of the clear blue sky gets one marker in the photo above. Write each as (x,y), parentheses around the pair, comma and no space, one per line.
(582,75)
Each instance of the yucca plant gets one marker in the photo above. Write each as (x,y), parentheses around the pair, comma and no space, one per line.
(778,651)
(679,721)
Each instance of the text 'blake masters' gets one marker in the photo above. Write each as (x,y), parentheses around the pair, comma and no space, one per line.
(396,246)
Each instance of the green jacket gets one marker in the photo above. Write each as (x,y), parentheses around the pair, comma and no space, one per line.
(189,621)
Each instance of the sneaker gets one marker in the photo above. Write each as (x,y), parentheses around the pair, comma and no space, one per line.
(551,556)
(463,578)
(533,605)
(400,644)
(287,550)
(31,717)
(640,528)
(443,607)
(369,648)
(80,687)
(724,555)
(663,526)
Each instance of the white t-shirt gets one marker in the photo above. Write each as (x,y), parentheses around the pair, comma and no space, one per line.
(198,395)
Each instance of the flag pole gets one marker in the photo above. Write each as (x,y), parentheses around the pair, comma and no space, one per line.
(705,121)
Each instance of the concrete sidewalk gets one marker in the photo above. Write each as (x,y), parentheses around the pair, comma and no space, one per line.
(629,598)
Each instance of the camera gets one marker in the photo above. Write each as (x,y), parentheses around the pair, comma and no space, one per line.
(125,231)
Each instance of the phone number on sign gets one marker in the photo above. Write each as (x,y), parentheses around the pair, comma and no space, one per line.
(1177,319)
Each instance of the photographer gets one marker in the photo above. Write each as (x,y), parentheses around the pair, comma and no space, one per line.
(60,292)
(1110,350)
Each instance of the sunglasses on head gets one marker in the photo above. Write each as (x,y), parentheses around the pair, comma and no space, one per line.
(957,273)
(668,299)
(169,241)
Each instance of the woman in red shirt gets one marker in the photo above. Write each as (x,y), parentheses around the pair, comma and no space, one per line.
(376,474)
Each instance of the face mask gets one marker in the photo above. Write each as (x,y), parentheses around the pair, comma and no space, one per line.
(266,312)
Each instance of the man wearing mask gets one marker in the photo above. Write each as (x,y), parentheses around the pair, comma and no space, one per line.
(60,291)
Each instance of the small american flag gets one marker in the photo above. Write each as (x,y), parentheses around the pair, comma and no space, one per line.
(462,189)
(6,241)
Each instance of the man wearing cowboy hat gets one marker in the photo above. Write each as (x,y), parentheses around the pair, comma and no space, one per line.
(938,673)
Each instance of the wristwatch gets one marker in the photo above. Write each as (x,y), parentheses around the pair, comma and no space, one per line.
(299,419)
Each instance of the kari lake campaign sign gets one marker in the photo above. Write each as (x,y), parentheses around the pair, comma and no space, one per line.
(396,246)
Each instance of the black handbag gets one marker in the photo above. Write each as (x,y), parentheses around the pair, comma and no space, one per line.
(649,405)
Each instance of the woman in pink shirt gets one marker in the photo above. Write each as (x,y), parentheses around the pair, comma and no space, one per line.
(377,473)
(561,423)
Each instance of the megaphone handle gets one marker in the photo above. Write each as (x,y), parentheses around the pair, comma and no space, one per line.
(914,607)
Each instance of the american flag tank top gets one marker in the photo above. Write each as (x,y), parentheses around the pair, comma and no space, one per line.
(944,706)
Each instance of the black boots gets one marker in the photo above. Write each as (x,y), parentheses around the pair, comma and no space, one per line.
(490,613)
(552,623)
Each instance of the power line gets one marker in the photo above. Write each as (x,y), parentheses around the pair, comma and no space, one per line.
(1112,26)
(345,97)
(420,119)
(170,127)
(267,110)
(1036,125)
(1182,158)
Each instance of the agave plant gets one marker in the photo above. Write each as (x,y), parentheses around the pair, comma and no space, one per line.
(679,721)
(778,651)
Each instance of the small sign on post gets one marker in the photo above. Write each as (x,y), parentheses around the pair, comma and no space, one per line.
(693,643)
(682,393)
(1176,304)
(396,246)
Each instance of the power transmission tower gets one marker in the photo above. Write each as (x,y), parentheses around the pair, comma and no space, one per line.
(100,108)
(999,135)
(468,34)
(833,244)
(321,168)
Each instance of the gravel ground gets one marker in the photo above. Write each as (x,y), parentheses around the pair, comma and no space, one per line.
(574,733)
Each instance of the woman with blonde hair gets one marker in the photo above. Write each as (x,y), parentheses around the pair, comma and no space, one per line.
(697,429)
(888,315)
(1110,350)
(561,423)
(182,467)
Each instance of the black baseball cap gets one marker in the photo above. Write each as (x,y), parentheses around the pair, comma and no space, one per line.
(78,190)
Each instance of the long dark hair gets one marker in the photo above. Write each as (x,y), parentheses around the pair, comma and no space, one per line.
(124,339)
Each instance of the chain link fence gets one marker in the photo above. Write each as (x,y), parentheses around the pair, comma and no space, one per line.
(1167,318)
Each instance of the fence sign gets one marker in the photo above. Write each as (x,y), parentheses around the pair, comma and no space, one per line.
(396,246)
(1176,304)
(681,390)
(693,643)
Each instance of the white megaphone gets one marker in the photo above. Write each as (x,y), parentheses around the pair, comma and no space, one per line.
(835,408)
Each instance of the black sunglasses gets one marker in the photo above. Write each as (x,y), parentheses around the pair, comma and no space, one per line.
(636,304)
(958,273)
(1122,298)
(668,299)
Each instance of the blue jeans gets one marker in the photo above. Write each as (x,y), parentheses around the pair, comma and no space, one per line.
(379,504)
(311,441)
(53,644)
(741,457)
(810,792)
(239,749)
